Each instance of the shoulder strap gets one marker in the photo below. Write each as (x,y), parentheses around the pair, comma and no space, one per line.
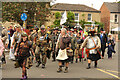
(93,42)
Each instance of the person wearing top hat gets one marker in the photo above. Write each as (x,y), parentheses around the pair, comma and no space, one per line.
(92,44)
(103,39)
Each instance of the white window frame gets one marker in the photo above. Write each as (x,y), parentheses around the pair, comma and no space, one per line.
(90,18)
(77,20)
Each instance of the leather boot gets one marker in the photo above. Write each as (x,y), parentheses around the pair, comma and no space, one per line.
(59,69)
(88,66)
(95,64)
(66,70)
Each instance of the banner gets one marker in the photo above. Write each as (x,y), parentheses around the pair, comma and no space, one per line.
(64,18)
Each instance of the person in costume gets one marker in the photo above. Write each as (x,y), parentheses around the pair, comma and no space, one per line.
(23,53)
(92,44)
(63,43)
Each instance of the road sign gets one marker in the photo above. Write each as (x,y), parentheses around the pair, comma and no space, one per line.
(23,16)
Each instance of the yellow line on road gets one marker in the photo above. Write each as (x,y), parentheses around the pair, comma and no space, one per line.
(108,73)
(113,71)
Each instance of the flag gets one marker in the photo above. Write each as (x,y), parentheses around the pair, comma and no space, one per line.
(64,18)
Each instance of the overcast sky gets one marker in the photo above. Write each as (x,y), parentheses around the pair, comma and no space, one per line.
(96,3)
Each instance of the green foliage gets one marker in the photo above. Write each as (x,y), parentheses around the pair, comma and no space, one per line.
(101,25)
(57,15)
(70,17)
(13,10)
(52,26)
(88,22)
(82,22)
(57,22)
(83,15)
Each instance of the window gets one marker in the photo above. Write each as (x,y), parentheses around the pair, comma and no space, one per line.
(89,17)
(76,17)
(116,18)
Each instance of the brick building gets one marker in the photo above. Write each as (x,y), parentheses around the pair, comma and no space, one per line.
(110,14)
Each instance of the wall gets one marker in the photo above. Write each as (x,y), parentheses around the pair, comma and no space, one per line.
(112,21)
(95,16)
(105,17)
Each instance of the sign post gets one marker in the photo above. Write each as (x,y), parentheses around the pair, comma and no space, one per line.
(23,18)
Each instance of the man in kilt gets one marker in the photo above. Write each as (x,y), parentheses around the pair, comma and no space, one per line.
(92,44)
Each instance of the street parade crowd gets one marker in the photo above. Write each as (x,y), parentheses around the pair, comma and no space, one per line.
(65,45)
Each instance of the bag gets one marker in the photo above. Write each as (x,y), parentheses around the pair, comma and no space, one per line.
(29,62)
(17,65)
(69,52)
(62,55)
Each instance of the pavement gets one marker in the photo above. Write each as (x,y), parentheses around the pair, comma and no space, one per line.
(107,68)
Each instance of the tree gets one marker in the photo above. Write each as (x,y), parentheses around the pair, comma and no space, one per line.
(57,22)
(82,22)
(101,25)
(70,17)
(13,11)
(57,15)
(57,19)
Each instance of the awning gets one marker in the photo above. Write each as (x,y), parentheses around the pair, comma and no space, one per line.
(116,29)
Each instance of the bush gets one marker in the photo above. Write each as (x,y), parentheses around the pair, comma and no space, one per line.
(57,22)
(57,15)
(52,26)
(70,17)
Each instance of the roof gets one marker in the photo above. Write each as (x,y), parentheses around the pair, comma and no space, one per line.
(113,7)
(73,7)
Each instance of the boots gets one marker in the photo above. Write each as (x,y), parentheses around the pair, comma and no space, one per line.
(80,59)
(95,64)
(76,60)
(60,69)
(38,64)
(43,66)
(88,66)
(66,70)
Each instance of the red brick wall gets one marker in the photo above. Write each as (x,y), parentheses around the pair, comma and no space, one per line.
(105,17)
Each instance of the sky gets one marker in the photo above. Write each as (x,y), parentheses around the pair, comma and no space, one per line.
(96,3)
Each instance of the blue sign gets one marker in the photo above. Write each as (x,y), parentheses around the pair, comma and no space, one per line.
(23,16)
